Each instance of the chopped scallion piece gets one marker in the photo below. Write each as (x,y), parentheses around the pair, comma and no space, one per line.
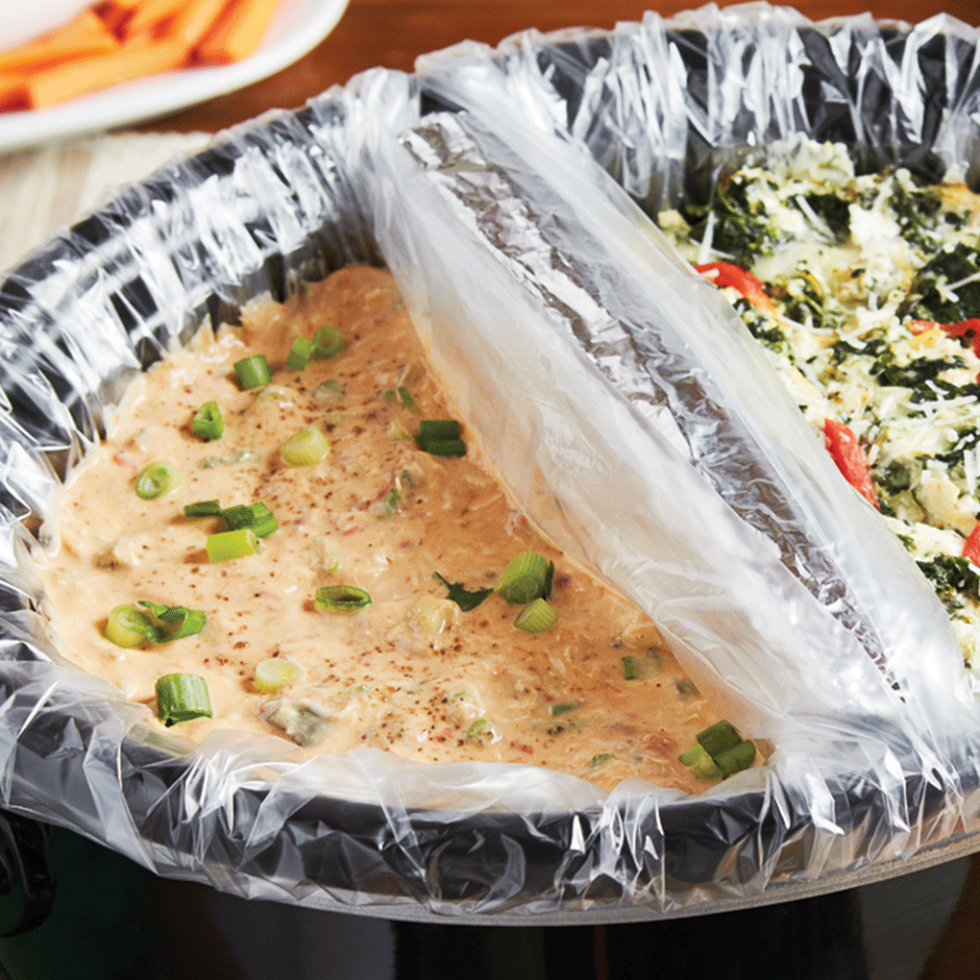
(631,669)
(396,432)
(252,372)
(227,545)
(156,479)
(391,501)
(255,516)
(701,764)
(300,354)
(181,697)
(407,401)
(178,621)
(208,422)
(276,394)
(444,447)
(537,617)
(276,672)
(210,462)
(563,709)
(432,615)
(128,627)
(479,729)
(441,437)
(203,508)
(341,598)
(327,341)
(735,759)
(600,757)
(718,738)
(439,429)
(332,392)
(527,577)
(305,448)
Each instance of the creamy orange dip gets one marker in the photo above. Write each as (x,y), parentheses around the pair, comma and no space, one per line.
(598,695)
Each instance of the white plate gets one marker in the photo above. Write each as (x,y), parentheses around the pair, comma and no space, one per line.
(296,28)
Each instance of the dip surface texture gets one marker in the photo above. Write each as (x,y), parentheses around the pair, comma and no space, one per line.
(598,695)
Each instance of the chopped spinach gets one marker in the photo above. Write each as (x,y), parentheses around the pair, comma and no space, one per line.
(834,211)
(937,390)
(921,369)
(740,229)
(966,439)
(952,577)
(916,210)
(926,302)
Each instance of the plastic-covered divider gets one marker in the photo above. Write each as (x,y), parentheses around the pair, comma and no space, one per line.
(545,312)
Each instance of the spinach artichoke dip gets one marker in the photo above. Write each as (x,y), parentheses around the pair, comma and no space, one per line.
(287,532)
(864,291)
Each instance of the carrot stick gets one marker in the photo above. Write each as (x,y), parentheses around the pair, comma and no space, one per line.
(149,16)
(84,36)
(195,20)
(130,61)
(238,31)
(113,15)
(13,93)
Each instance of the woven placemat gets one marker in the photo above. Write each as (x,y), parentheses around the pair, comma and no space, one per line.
(48,187)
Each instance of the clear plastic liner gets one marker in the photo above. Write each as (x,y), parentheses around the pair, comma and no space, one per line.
(624,405)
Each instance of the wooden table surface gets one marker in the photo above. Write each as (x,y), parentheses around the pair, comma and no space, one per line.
(393,33)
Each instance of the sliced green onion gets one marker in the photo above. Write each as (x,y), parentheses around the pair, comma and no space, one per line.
(276,672)
(210,462)
(156,479)
(444,447)
(718,738)
(527,577)
(701,764)
(407,401)
(208,422)
(128,627)
(431,615)
(178,621)
(600,757)
(479,729)
(396,432)
(203,508)
(253,372)
(256,516)
(305,448)
(327,341)
(300,354)
(227,545)
(735,759)
(631,669)
(276,393)
(538,617)
(341,598)
(181,697)
(332,392)
(563,709)
(391,502)
(439,429)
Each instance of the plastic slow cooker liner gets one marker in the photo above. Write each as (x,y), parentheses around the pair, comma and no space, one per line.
(625,409)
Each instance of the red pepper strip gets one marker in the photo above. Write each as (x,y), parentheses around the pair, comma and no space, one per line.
(847,453)
(960,329)
(725,274)
(971,548)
